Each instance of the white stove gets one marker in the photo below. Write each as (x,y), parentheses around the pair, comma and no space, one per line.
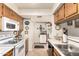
(19,46)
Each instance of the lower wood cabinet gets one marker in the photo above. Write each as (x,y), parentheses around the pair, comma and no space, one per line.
(9,53)
(52,51)
(56,53)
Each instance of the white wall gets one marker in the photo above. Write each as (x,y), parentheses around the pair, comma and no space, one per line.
(30,34)
(34,19)
(53,27)
(37,31)
(44,18)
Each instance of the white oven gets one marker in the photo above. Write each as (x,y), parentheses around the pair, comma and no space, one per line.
(9,24)
(19,49)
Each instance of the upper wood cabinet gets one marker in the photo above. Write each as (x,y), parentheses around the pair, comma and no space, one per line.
(7,12)
(70,9)
(66,12)
(61,13)
(56,16)
(0,10)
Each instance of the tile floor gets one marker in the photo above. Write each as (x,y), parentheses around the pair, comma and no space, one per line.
(38,52)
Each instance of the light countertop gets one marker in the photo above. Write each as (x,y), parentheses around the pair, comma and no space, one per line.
(53,42)
(4,49)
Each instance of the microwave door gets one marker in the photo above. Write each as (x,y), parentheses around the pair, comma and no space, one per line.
(9,24)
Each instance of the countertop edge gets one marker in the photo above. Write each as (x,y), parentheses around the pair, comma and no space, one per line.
(8,49)
(49,40)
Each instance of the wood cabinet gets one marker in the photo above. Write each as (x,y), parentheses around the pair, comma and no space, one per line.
(9,53)
(70,9)
(56,53)
(0,24)
(7,12)
(56,16)
(12,15)
(66,12)
(0,10)
(59,15)
(52,51)
(21,25)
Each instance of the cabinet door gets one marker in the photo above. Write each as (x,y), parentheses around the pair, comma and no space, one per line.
(0,24)
(61,13)
(56,16)
(0,9)
(70,9)
(6,11)
(56,53)
(13,15)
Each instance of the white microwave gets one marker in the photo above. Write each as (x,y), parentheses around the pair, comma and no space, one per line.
(9,24)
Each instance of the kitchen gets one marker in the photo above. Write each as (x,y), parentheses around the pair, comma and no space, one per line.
(39,29)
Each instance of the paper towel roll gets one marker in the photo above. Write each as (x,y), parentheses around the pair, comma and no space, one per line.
(64,38)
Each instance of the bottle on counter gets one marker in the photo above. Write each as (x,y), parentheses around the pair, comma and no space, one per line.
(65,35)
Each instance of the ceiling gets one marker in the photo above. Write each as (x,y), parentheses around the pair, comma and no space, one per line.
(34,5)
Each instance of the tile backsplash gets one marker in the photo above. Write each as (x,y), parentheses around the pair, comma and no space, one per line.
(72,30)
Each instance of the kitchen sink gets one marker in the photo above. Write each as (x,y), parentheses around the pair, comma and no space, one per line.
(11,42)
(68,50)
(62,46)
